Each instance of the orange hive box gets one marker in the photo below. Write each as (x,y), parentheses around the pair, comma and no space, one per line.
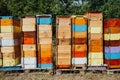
(44,60)
(45,50)
(95,42)
(79,54)
(114,29)
(79,40)
(80,47)
(79,20)
(6,22)
(96,48)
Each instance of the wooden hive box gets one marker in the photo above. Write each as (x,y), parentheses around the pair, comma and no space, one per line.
(94,15)
(63,20)
(28,20)
(66,41)
(44,40)
(44,31)
(95,36)
(28,51)
(28,27)
(95,23)
(63,58)
(63,31)
(11,55)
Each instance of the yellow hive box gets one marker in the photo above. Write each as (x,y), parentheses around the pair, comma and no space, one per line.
(10,29)
(95,62)
(11,62)
(95,55)
(95,30)
(115,36)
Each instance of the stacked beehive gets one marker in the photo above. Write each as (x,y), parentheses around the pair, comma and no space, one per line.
(95,39)
(44,43)
(10,40)
(28,47)
(63,35)
(79,41)
(112,42)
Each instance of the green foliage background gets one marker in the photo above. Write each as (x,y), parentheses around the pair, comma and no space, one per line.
(110,8)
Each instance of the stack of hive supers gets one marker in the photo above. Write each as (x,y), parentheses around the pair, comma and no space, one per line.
(63,36)
(95,39)
(79,41)
(112,42)
(44,41)
(10,40)
(28,47)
